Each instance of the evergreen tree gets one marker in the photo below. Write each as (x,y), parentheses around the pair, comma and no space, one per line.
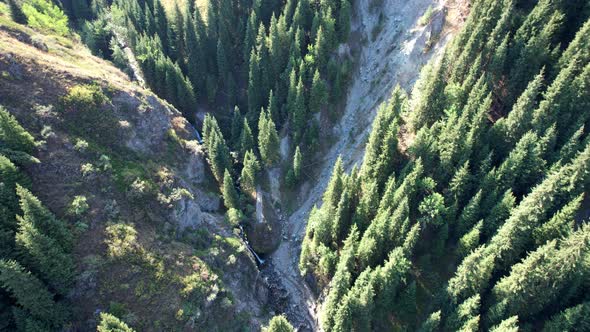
(344,21)
(321,49)
(237,123)
(254,85)
(13,136)
(279,324)
(248,175)
(470,240)
(268,140)
(541,277)
(45,255)
(507,325)
(432,323)
(319,94)
(30,293)
(297,164)
(335,186)
(576,318)
(246,139)
(230,195)
(463,314)
(299,111)
(342,279)
(560,225)
(38,216)
(110,323)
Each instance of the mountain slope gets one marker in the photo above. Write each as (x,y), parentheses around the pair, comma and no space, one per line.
(124,170)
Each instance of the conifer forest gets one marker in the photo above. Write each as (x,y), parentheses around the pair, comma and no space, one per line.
(295,165)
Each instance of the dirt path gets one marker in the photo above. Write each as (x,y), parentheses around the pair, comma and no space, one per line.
(394,57)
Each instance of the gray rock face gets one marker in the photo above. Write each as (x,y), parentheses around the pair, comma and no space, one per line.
(195,167)
(149,125)
(437,23)
(187,214)
(265,233)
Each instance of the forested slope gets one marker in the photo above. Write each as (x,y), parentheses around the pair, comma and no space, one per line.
(477,224)
(109,214)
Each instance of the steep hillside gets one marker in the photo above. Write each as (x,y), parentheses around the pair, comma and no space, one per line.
(468,209)
(392,46)
(125,172)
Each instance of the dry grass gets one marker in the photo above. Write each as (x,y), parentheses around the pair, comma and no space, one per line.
(63,56)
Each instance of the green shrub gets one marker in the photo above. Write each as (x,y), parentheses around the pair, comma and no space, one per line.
(425,19)
(121,240)
(45,16)
(234,216)
(81,145)
(110,323)
(82,96)
(79,206)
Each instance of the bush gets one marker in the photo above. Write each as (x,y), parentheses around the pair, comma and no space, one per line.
(79,206)
(121,240)
(235,217)
(81,145)
(45,16)
(83,96)
(425,19)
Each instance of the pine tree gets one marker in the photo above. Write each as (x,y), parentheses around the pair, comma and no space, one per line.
(110,323)
(299,115)
(230,195)
(335,186)
(428,97)
(319,93)
(321,49)
(344,21)
(13,136)
(507,325)
(279,324)
(368,205)
(42,219)
(45,255)
(411,240)
(463,313)
(250,36)
(342,279)
(560,225)
(541,277)
(246,139)
(432,323)
(472,276)
(268,140)
(470,240)
(248,175)
(576,318)
(274,108)
(219,156)
(297,164)
(237,123)
(254,85)
(30,293)
(222,62)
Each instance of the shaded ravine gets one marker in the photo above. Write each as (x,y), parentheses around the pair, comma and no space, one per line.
(394,57)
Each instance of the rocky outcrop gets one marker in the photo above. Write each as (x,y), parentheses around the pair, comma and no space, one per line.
(187,214)
(264,234)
